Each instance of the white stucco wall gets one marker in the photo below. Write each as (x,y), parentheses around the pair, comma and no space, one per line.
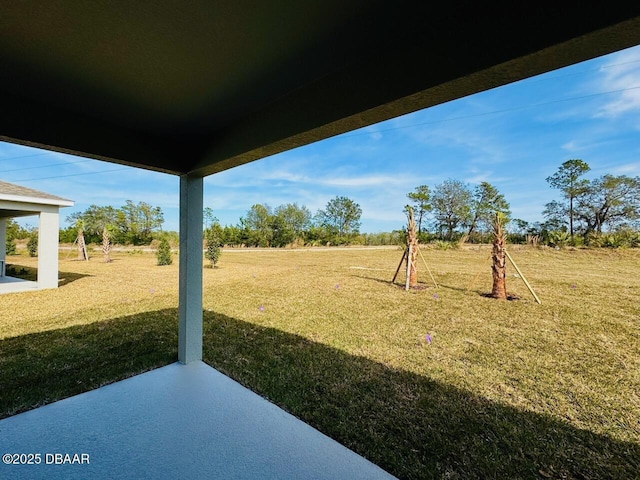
(48,235)
(3,244)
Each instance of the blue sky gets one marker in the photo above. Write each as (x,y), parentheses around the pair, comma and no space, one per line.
(513,137)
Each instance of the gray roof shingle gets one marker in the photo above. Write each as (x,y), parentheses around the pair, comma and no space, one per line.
(7,188)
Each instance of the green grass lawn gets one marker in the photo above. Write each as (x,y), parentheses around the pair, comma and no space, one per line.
(504,390)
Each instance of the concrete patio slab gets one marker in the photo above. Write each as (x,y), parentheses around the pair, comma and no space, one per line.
(13,285)
(179,421)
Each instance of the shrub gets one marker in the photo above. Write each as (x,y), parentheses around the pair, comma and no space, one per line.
(32,244)
(213,251)
(445,245)
(10,247)
(625,237)
(164,253)
(612,240)
(559,238)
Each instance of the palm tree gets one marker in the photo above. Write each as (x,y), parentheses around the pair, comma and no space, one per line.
(82,246)
(106,244)
(412,250)
(498,255)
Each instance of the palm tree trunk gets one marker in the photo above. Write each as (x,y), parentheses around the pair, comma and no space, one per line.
(106,245)
(82,246)
(571,218)
(499,265)
(412,250)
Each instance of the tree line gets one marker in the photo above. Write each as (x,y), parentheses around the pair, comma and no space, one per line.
(604,211)
(131,224)
(590,208)
(453,209)
(289,224)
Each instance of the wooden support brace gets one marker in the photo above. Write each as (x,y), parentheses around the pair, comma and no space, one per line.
(428,269)
(399,265)
(408,279)
(522,277)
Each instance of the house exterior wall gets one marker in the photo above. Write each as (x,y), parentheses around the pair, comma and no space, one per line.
(27,207)
(48,233)
(3,244)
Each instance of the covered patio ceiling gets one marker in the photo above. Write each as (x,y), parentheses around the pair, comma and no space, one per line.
(202,86)
(194,88)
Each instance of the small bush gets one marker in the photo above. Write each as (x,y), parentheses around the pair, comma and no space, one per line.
(624,237)
(10,247)
(612,240)
(213,237)
(445,245)
(164,253)
(559,238)
(32,244)
(213,251)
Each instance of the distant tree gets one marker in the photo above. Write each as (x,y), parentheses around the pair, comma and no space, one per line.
(258,223)
(295,219)
(68,234)
(486,202)
(555,214)
(318,234)
(214,240)
(451,204)
(208,217)
(10,246)
(521,226)
(132,223)
(231,235)
(13,231)
(137,222)
(341,216)
(98,225)
(32,244)
(281,232)
(609,201)
(94,219)
(420,198)
(163,254)
(567,179)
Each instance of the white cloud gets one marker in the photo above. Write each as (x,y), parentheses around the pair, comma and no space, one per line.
(571,146)
(594,139)
(629,169)
(621,74)
(366,180)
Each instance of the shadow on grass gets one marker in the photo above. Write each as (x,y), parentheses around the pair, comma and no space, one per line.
(22,272)
(408,424)
(422,285)
(31,274)
(40,368)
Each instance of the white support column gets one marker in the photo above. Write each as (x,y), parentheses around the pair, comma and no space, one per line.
(190,270)
(3,244)
(48,235)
